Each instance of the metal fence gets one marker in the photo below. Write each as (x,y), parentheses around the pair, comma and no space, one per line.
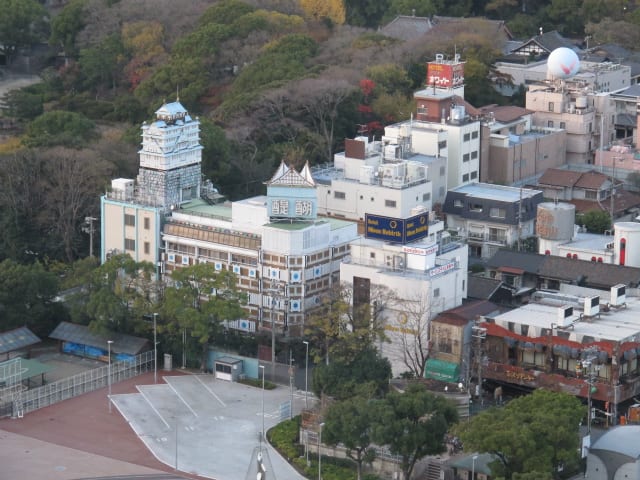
(54,392)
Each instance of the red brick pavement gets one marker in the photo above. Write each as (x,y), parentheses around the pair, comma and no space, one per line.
(84,423)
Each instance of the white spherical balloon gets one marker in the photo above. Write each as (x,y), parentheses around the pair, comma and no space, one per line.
(563,63)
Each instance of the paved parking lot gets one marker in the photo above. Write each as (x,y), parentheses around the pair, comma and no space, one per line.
(208,427)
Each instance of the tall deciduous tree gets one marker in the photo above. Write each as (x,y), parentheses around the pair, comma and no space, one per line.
(413,424)
(333,10)
(200,300)
(365,13)
(26,296)
(22,24)
(532,434)
(67,24)
(351,423)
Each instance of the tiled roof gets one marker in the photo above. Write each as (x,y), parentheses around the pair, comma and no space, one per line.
(622,201)
(482,288)
(549,41)
(405,27)
(468,311)
(556,177)
(592,274)
(591,180)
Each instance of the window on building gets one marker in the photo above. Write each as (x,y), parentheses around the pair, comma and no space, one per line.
(551,106)
(474,154)
(436,292)
(426,197)
(390,203)
(130,220)
(563,125)
(550,124)
(147,248)
(147,223)
(465,157)
(457,203)
(467,137)
(591,195)
(475,207)
(497,212)
(463,284)
(590,127)
(340,195)
(372,254)
(422,110)
(474,134)
(443,171)
(129,244)
(497,235)
(442,144)
(465,177)
(474,175)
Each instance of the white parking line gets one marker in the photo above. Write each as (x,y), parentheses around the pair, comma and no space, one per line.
(211,391)
(183,400)
(154,408)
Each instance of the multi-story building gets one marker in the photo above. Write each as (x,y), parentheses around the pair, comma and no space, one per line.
(377,176)
(491,216)
(132,213)
(580,341)
(409,282)
(514,150)
(283,255)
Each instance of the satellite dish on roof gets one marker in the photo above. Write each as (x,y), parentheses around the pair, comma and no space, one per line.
(563,63)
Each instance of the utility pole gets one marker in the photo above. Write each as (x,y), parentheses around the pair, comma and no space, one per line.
(89,221)
(479,334)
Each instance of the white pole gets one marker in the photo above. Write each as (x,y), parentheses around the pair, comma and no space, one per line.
(473,466)
(155,351)
(319,454)
(109,342)
(306,375)
(262,434)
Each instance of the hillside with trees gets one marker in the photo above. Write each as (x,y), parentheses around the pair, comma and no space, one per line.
(269,80)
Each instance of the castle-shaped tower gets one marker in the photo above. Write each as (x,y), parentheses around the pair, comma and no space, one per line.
(133,212)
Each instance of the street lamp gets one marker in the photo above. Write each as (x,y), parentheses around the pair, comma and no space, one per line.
(109,342)
(306,374)
(319,454)
(262,434)
(155,351)
(473,466)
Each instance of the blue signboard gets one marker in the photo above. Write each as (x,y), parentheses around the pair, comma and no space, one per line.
(397,230)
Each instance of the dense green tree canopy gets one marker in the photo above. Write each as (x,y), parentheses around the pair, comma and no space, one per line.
(368,373)
(58,127)
(413,424)
(22,23)
(533,434)
(596,221)
(351,423)
(67,24)
(26,297)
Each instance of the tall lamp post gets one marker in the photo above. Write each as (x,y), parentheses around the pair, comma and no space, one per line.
(319,454)
(306,374)
(155,347)
(262,433)
(109,342)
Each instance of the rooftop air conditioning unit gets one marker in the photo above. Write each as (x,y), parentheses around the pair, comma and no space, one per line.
(565,315)
(591,306)
(618,295)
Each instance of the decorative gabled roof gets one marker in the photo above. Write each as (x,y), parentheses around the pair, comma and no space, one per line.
(287,176)
(173,109)
(549,41)
(406,27)
(555,177)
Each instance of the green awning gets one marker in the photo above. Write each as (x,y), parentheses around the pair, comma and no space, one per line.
(441,370)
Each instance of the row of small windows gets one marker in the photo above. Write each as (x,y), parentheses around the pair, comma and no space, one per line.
(472,176)
(130,246)
(469,136)
(387,203)
(130,221)
(474,155)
